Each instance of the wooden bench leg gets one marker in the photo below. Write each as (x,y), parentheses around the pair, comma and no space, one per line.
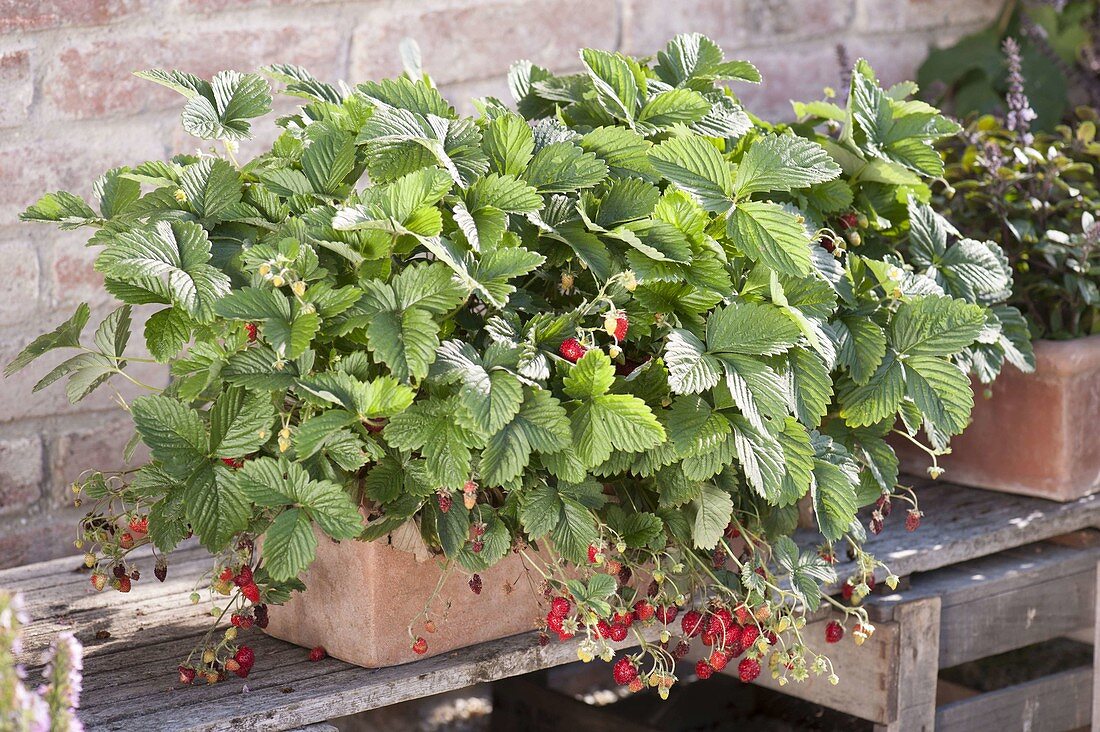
(1095,726)
(918,666)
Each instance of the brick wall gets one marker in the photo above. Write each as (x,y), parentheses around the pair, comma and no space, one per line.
(70,109)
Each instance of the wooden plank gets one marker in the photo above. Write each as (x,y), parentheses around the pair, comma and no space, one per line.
(1061,701)
(918,666)
(1095,726)
(963,523)
(999,603)
(868,674)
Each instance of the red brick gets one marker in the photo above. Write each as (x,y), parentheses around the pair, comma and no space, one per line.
(218,6)
(24,15)
(93,78)
(38,537)
(34,162)
(480,40)
(649,24)
(913,15)
(18,402)
(799,18)
(790,72)
(20,473)
(98,445)
(21,278)
(16,87)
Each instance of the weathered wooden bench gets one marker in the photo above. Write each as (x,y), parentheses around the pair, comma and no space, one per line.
(134,642)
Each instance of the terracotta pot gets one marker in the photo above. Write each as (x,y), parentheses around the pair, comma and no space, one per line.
(362,595)
(1037,435)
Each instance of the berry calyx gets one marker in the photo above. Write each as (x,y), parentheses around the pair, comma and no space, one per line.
(703,670)
(420,646)
(834,631)
(748,669)
(572,350)
(624,671)
(317,653)
(475,584)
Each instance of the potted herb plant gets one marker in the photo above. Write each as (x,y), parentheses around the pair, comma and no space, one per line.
(1036,194)
(597,346)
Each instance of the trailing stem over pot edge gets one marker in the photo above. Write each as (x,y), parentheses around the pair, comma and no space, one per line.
(630,325)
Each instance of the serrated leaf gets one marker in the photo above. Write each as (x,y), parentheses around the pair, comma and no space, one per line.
(695,166)
(771,234)
(783,163)
(713,510)
(289,545)
(240,422)
(66,335)
(563,167)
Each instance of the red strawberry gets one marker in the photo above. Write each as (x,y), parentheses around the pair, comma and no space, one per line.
(252,331)
(99,581)
(233,463)
(420,646)
(252,592)
(554,622)
(849,220)
(719,659)
(126,541)
(748,669)
(846,590)
(122,584)
(160,571)
(667,613)
(559,607)
(692,623)
(703,670)
(317,653)
(624,671)
(681,649)
(744,615)
(226,575)
(475,584)
(593,554)
(444,499)
(259,612)
(721,621)
(749,634)
(617,632)
(603,629)
(572,350)
(139,524)
(622,325)
(625,619)
(244,622)
(244,658)
(643,610)
(912,519)
(244,576)
(187,674)
(834,631)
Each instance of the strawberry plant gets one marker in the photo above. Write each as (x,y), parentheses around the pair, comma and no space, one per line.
(620,328)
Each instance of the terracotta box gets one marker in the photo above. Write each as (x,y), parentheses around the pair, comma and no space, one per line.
(1038,435)
(362,595)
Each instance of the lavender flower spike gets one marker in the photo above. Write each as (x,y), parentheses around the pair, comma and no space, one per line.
(1020,114)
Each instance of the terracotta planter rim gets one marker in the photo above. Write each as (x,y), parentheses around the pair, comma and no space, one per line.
(1066,358)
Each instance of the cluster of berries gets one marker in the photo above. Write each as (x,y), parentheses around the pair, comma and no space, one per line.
(116,545)
(242,578)
(616,325)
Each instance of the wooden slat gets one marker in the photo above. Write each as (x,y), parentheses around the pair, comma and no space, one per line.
(962,523)
(868,675)
(1061,701)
